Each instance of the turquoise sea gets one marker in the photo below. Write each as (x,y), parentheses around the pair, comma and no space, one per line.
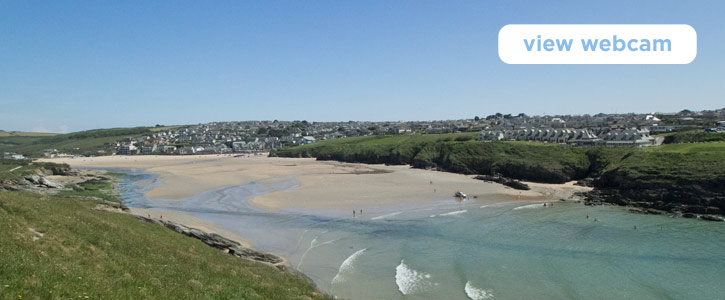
(473,250)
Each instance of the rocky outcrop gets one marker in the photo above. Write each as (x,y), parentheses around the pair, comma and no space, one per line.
(513,183)
(111,206)
(217,241)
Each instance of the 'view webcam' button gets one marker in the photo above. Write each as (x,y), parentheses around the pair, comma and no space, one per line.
(597,44)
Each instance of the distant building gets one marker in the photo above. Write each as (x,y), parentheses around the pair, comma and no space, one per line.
(628,137)
(148,149)
(307,140)
(127,149)
(14,156)
(569,136)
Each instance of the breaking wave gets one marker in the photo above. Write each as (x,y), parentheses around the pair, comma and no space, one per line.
(538,205)
(475,293)
(453,213)
(385,216)
(346,266)
(411,281)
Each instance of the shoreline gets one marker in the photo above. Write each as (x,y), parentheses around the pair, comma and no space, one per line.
(323,185)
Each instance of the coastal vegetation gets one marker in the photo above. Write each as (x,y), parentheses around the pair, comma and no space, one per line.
(11,169)
(82,142)
(60,248)
(673,177)
(4,133)
(694,136)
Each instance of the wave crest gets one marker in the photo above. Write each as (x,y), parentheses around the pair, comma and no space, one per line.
(475,293)
(411,281)
(347,266)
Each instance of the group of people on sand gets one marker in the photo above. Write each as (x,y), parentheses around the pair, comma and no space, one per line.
(550,204)
(353,213)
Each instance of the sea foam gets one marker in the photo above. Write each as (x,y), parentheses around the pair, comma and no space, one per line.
(475,293)
(538,205)
(385,216)
(411,281)
(347,266)
(453,213)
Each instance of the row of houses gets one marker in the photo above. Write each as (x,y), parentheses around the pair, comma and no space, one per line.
(13,156)
(570,136)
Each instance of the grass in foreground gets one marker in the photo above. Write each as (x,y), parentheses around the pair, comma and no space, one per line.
(57,248)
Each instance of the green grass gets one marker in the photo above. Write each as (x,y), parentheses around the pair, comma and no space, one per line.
(4,133)
(102,189)
(694,136)
(663,166)
(14,169)
(702,163)
(458,152)
(105,255)
(84,142)
(160,128)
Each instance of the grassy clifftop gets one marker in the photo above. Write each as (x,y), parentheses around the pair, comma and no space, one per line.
(455,153)
(58,248)
(666,176)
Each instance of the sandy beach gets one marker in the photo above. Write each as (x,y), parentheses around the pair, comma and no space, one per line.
(322,184)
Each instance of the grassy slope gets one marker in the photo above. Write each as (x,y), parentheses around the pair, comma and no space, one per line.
(456,153)
(702,163)
(694,136)
(106,255)
(17,169)
(4,133)
(664,165)
(73,143)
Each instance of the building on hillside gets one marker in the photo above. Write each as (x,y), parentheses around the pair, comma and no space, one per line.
(127,149)
(570,136)
(148,149)
(627,138)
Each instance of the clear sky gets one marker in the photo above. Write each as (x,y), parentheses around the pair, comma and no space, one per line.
(76,65)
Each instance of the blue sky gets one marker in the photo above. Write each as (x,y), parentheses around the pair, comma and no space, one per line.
(76,65)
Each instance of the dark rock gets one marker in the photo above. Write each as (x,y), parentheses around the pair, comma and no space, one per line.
(713,210)
(252,254)
(219,242)
(653,211)
(589,182)
(505,181)
(711,218)
(689,215)
(33,179)
(46,182)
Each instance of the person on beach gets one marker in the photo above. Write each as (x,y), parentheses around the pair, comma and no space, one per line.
(544,204)
(361,212)
(353,213)
(587,216)
(635,227)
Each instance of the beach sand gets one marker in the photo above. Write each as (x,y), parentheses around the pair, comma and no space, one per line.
(322,184)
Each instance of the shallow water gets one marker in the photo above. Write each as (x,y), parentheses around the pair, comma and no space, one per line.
(450,250)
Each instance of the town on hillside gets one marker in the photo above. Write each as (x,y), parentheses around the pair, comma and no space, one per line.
(630,129)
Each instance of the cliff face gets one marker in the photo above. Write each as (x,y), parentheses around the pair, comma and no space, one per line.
(659,191)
